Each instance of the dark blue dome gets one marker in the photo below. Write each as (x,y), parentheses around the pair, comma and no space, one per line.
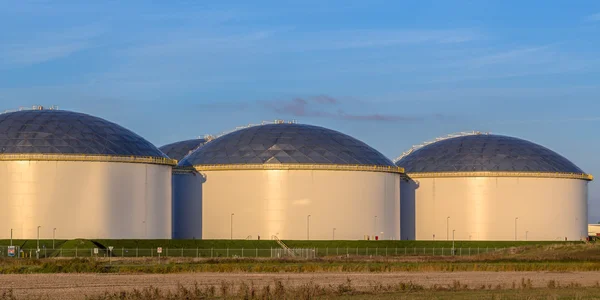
(179,150)
(486,152)
(286,144)
(69,133)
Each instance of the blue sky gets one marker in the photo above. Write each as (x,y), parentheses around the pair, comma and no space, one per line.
(392,74)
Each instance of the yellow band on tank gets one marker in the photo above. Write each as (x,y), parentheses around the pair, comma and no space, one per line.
(327,167)
(581,176)
(88,158)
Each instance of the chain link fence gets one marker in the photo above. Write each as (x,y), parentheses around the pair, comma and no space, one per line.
(243,253)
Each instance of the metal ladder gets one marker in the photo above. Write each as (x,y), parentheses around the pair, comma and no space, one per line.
(284,246)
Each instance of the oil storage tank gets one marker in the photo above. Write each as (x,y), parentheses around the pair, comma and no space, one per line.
(71,175)
(291,181)
(481,186)
(187,184)
(181,149)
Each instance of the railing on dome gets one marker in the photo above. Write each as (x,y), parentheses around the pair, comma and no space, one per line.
(329,167)
(87,158)
(209,137)
(34,107)
(450,136)
(581,176)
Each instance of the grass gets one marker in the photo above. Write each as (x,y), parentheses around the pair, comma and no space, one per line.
(348,290)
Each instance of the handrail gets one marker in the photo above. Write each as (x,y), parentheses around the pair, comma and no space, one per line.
(329,167)
(284,246)
(581,176)
(87,158)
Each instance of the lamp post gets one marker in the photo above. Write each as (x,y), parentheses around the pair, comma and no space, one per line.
(231,226)
(308,228)
(453,241)
(517,218)
(447,228)
(333,237)
(53,237)
(375,225)
(37,251)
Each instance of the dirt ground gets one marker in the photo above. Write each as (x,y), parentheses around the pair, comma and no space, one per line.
(78,286)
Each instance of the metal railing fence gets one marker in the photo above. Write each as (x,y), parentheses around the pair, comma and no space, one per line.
(247,252)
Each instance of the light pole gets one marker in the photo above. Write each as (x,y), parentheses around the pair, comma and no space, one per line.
(308,228)
(517,218)
(453,241)
(231,225)
(11,234)
(375,226)
(434,237)
(526,234)
(447,228)
(53,237)
(333,234)
(37,251)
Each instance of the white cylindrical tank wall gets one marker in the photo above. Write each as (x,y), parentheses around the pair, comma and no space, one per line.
(495,208)
(187,204)
(247,203)
(100,200)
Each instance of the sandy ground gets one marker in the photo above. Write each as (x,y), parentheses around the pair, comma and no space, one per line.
(78,286)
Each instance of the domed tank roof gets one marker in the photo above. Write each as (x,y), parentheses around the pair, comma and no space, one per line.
(486,153)
(181,149)
(289,146)
(66,135)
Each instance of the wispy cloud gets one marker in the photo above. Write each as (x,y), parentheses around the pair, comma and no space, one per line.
(593,18)
(548,121)
(328,107)
(47,46)
(504,56)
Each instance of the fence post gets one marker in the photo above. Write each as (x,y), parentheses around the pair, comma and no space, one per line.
(367,251)
(181,251)
(256,252)
(356,251)
(211,252)
(227,251)
(442,251)
(137,252)
(376,251)
(197,252)
(326,251)
(75,252)
(123,251)
(242,252)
